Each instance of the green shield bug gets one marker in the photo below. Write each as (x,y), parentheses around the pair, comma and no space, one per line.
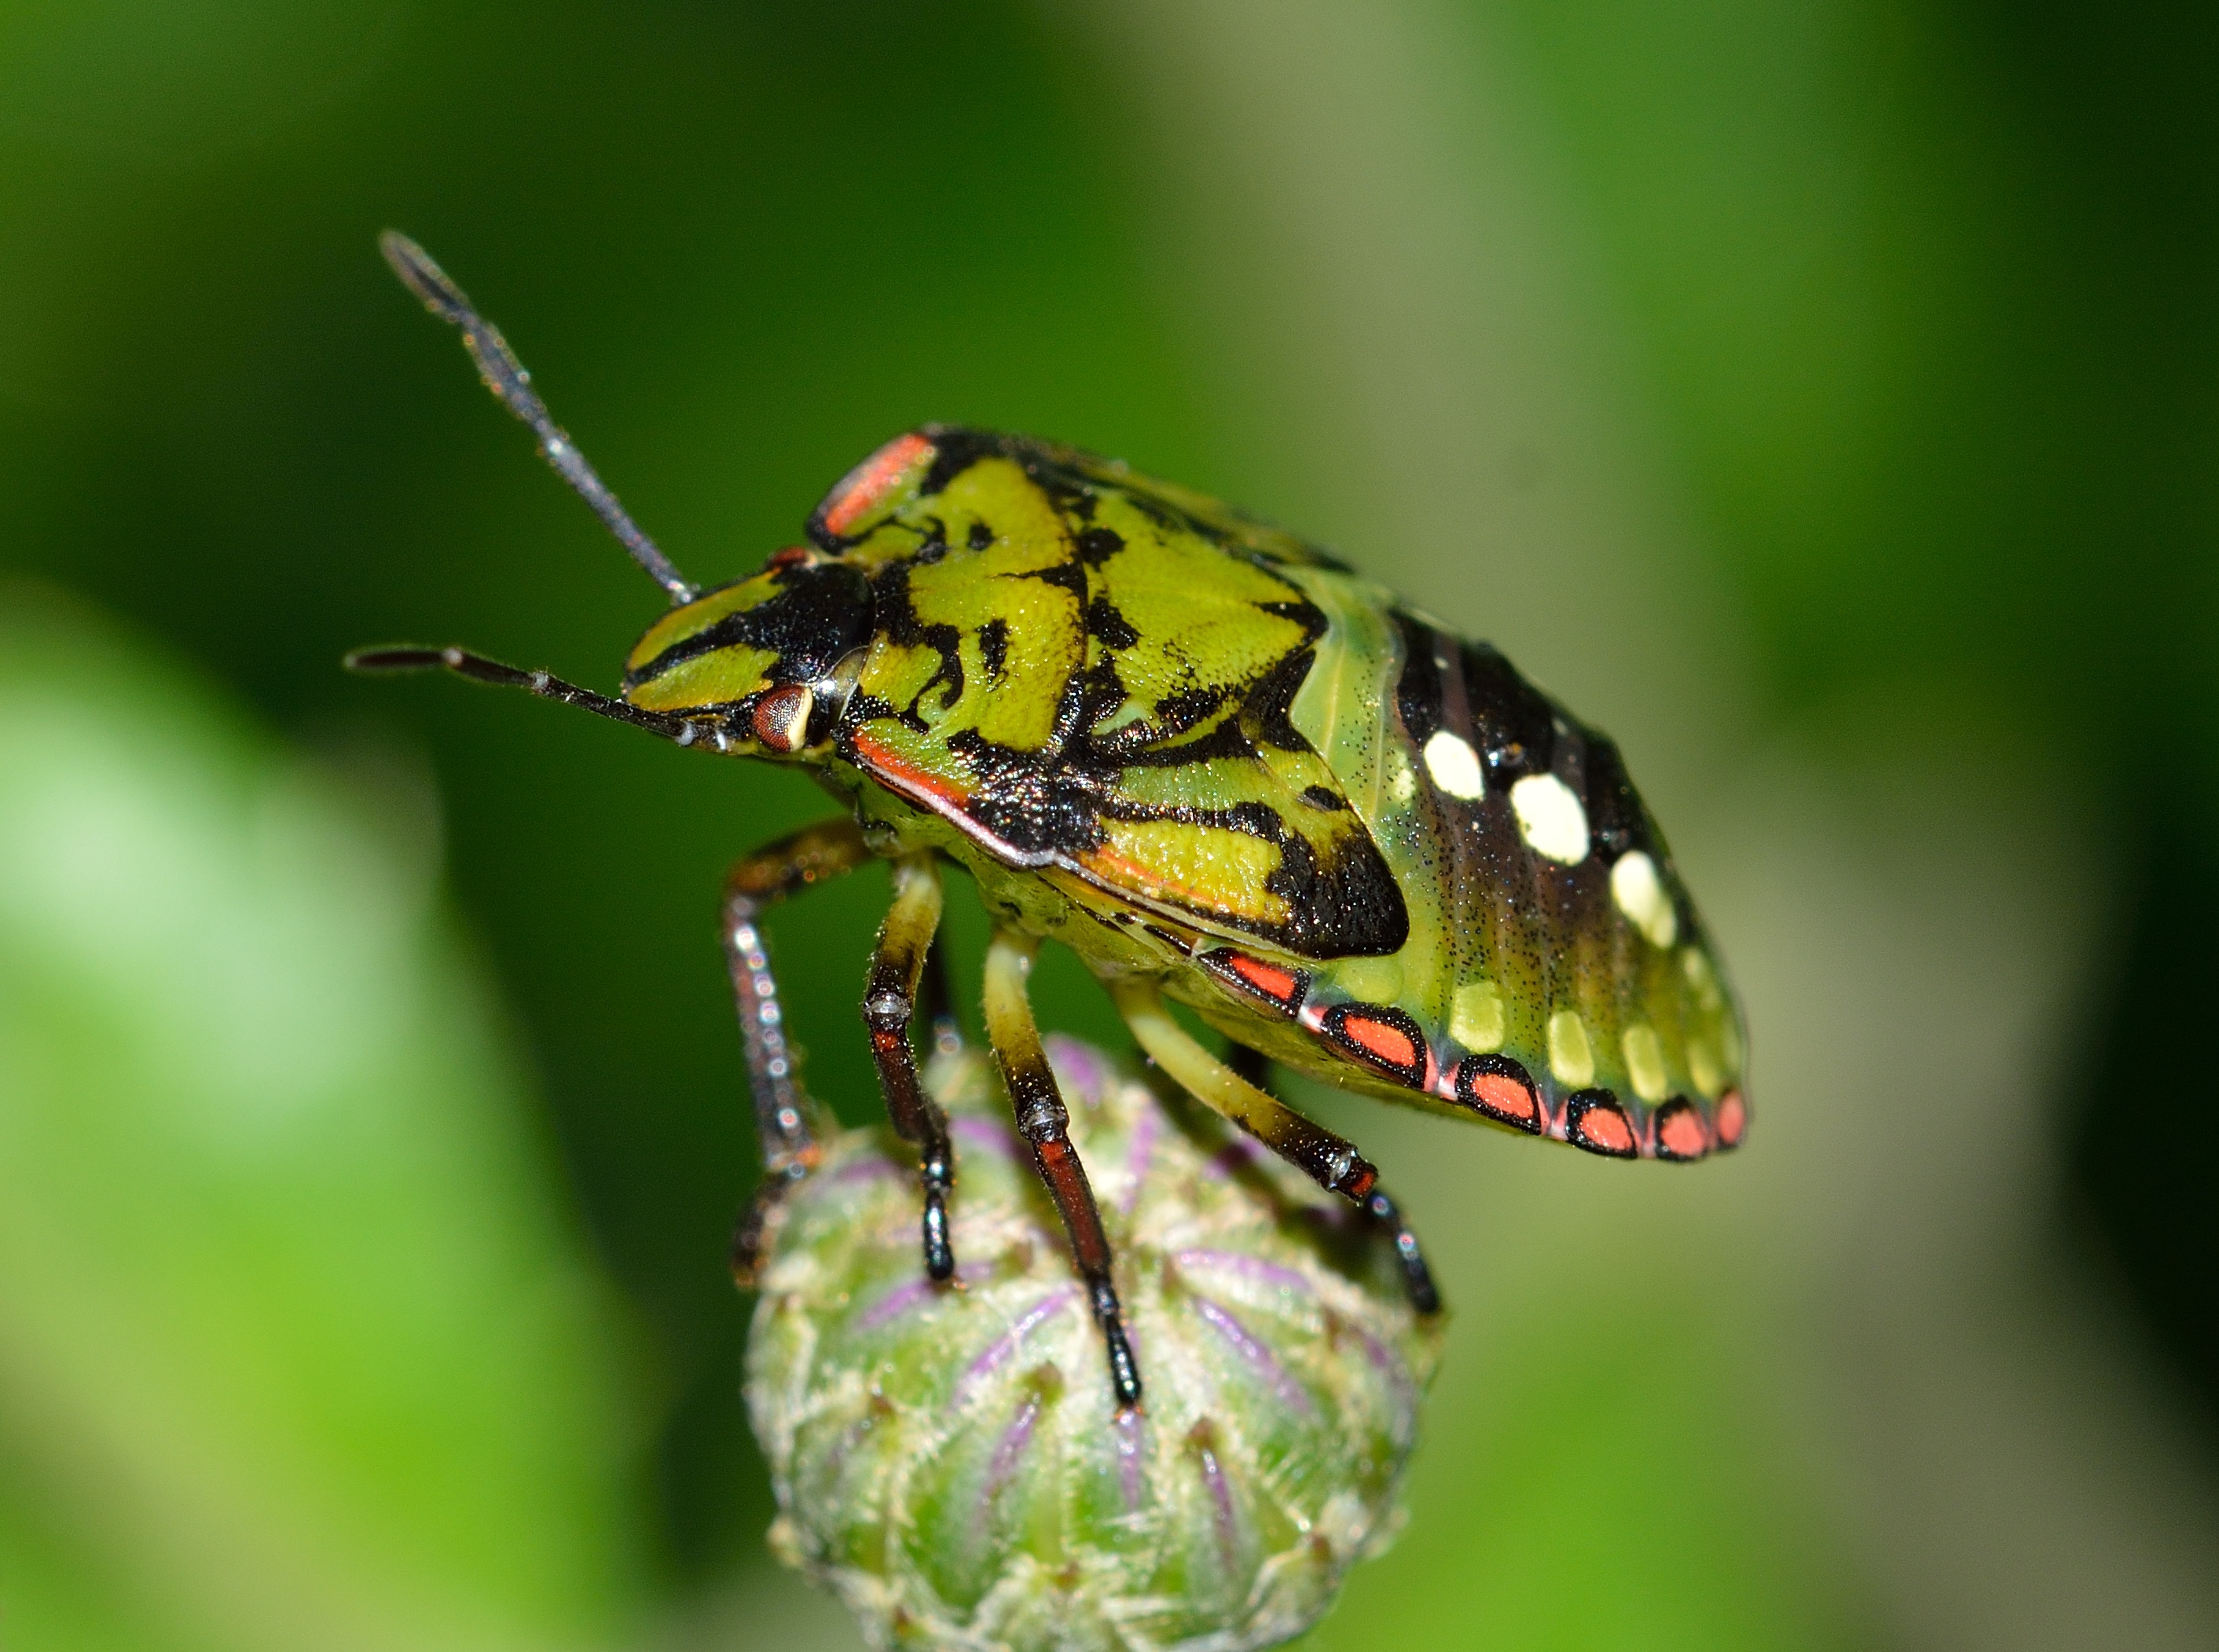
(1209,758)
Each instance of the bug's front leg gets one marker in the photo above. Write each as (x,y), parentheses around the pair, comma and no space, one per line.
(1045,1122)
(785,1127)
(889,1002)
(1329,1160)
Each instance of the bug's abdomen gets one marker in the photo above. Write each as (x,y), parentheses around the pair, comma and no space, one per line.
(1555,978)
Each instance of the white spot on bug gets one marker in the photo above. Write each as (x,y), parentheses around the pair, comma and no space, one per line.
(1644,1062)
(1402,779)
(1569,1058)
(1454,766)
(1551,819)
(1475,1016)
(1641,895)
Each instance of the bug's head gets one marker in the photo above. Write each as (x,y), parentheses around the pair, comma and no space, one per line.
(770,660)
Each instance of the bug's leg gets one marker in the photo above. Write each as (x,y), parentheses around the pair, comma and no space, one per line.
(1044,1122)
(785,1122)
(1329,1160)
(939,1001)
(889,1002)
(1252,1066)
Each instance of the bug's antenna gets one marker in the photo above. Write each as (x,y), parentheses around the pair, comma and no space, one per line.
(682,730)
(506,378)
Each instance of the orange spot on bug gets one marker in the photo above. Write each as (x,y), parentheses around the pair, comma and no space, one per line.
(1680,1133)
(1278,986)
(1499,1088)
(882,762)
(869,482)
(1733,1119)
(792,556)
(1390,1043)
(1386,1038)
(1597,1124)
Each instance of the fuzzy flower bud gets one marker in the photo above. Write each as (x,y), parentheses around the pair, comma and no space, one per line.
(948,1458)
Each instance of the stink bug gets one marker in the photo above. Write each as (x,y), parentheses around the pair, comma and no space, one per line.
(1209,758)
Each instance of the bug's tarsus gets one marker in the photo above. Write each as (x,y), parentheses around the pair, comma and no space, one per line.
(547,686)
(506,378)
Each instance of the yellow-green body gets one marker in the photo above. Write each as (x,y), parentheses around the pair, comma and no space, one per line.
(1190,746)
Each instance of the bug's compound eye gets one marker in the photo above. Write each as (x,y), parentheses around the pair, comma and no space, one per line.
(781,717)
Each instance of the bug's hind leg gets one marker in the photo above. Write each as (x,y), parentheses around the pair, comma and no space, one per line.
(889,1004)
(785,1127)
(1329,1160)
(1044,1121)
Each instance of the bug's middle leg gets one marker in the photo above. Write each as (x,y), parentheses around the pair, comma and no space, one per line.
(889,1002)
(1044,1121)
(1329,1160)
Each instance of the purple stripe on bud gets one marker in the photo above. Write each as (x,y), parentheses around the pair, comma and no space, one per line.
(1009,1452)
(1220,1496)
(1248,1267)
(1259,1357)
(1085,1072)
(905,1298)
(998,1352)
(985,1135)
(1137,1154)
(870,1168)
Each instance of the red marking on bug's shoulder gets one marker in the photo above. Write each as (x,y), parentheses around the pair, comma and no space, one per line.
(882,762)
(1596,1121)
(1380,1037)
(1679,1132)
(1733,1119)
(869,483)
(1499,1088)
(1278,986)
(792,556)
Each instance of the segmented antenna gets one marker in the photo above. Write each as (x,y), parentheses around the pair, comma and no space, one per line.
(506,378)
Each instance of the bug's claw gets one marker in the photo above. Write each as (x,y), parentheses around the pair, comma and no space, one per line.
(1417,1278)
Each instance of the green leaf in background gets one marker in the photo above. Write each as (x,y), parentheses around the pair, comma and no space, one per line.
(296,1350)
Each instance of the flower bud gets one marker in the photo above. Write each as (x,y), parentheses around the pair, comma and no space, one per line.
(949,1459)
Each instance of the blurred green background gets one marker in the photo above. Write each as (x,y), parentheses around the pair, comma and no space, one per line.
(1824,397)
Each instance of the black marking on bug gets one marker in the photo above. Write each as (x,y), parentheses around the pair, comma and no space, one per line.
(1324,798)
(980,538)
(994,647)
(1269,712)
(820,612)
(1418,689)
(897,621)
(1515,722)
(1097,545)
(954,451)
(1109,627)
